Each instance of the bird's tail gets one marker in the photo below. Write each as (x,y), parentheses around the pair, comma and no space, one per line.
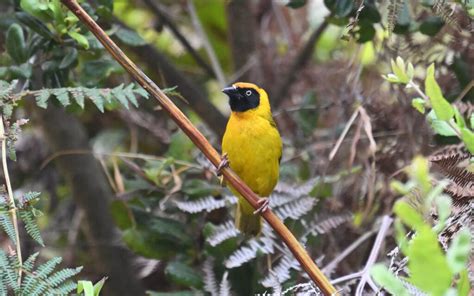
(245,220)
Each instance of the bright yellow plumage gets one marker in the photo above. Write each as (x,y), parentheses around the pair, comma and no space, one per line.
(253,147)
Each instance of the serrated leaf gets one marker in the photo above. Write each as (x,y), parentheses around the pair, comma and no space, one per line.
(388,280)
(42,98)
(458,252)
(15,44)
(442,108)
(428,267)
(78,96)
(128,91)
(119,94)
(62,96)
(95,96)
(141,92)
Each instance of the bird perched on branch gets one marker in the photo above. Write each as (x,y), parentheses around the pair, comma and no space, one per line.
(252,147)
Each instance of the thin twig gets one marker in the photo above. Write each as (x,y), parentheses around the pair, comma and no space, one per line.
(280,92)
(201,142)
(344,133)
(168,21)
(207,45)
(331,265)
(10,199)
(384,227)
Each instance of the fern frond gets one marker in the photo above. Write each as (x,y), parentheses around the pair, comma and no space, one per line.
(210,282)
(99,97)
(446,11)
(222,232)
(66,288)
(8,272)
(207,204)
(28,265)
(249,251)
(296,209)
(224,288)
(7,226)
(28,198)
(281,272)
(324,226)
(37,278)
(31,226)
(393,8)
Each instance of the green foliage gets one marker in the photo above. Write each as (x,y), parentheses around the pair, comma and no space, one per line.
(444,117)
(430,268)
(87,288)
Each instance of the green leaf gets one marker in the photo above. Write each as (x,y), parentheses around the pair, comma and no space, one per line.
(428,267)
(62,96)
(471,120)
(419,104)
(42,98)
(464,286)
(399,69)
(408,215)
(442,108)
(183,275)
(129,37)
(440,127)
(68,59)
(98,286)
(34,24)
(296,3)
(85,286)
(388,280)
(468,139)
(81,39)
(36,8)
(15,44)
(23,71)
(122,214)
(460,122)
(431,25)
(458,252)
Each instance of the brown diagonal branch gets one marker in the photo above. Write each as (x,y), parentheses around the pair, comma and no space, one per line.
(201,142)
(281,90)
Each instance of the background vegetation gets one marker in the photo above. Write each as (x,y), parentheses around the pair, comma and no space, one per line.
(373,100)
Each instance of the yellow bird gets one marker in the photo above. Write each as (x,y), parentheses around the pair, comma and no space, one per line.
(252,147)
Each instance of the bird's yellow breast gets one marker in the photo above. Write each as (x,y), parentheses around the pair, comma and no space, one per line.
(253,146)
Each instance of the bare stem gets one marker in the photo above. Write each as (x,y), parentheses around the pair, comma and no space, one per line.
(10,199)
(207,45)
(201,142)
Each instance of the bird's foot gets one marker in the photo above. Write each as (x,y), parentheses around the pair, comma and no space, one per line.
(263,203)
(223,164)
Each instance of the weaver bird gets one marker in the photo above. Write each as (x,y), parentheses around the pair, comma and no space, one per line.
(252,147)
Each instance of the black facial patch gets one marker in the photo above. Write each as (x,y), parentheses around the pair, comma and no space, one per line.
(243,99)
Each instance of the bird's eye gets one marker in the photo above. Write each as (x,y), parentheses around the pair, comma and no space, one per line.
(248,93)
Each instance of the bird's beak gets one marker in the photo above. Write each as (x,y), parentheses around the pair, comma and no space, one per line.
(231,91)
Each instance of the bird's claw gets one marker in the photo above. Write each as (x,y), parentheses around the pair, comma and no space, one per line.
(264,205)
(223,164)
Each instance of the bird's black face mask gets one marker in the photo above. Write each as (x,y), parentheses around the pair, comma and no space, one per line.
(242,99)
